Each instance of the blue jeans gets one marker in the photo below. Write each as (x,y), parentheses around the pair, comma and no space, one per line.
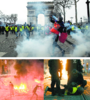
(28,34)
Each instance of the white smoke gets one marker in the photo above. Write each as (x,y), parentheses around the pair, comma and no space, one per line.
(83,43)
(36,47)
(39,46)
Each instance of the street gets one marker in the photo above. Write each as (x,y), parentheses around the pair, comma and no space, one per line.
(8,46)
(85,96)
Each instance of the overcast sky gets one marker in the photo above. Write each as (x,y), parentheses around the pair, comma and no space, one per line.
(19,7)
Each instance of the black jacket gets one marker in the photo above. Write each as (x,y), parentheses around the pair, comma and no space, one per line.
(54,67)
(73,64)
(60,23)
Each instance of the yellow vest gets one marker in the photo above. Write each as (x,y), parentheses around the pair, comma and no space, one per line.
(73,92)
(7,28)
(66,91)
(15,29)
(11,28)
(27,28)
(32,28)
(72,28)
(23,27)
(75,89)
(20,29)
(86,27)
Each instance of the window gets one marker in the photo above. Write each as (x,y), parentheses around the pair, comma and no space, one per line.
(48,12)
(31,12)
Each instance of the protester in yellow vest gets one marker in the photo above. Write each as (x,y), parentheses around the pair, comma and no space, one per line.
(16,31)
(86,28)
(11,29)
(72,28)
(32,29)
(74,89)
(21,31)
(27,29)
(7,30)
(22,27)
(71,90)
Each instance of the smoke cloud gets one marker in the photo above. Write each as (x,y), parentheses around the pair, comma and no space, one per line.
(40,45)
(83,41)
(36,47)
(34,68)
(29,74)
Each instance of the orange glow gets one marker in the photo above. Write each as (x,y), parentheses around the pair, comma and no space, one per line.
(21,88)
(37,81)
(59,73)
(64,72)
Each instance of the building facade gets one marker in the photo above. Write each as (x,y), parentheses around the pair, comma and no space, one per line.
(36,8)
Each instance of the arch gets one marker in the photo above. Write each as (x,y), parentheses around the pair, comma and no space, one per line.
(41,19)
(36,8)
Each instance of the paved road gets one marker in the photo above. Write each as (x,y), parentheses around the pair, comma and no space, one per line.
(7,46)
(85,96)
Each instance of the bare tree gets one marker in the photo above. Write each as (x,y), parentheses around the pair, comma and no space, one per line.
(7,18)
(57,7)
(14,18)
(64,4)
(3,18)
(1,13)
(74,2)
(11,18)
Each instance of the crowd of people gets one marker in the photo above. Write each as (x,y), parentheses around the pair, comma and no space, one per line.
(17,30)
(76,82)
(62,30)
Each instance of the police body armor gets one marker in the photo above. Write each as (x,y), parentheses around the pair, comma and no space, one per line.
(73,64)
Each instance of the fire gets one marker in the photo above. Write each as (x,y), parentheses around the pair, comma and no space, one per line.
(37,81)
(64,72)
(21,88)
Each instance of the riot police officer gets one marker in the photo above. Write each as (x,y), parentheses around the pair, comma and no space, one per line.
(54,67)
(73,64)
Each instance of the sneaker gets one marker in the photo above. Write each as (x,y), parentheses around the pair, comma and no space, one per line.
(46,90)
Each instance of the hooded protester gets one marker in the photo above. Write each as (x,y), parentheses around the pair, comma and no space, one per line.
(58,23)
(59,20)
(73,64)
(35,92)
(77,77)
(7,30)
(11,86)
(72,89)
